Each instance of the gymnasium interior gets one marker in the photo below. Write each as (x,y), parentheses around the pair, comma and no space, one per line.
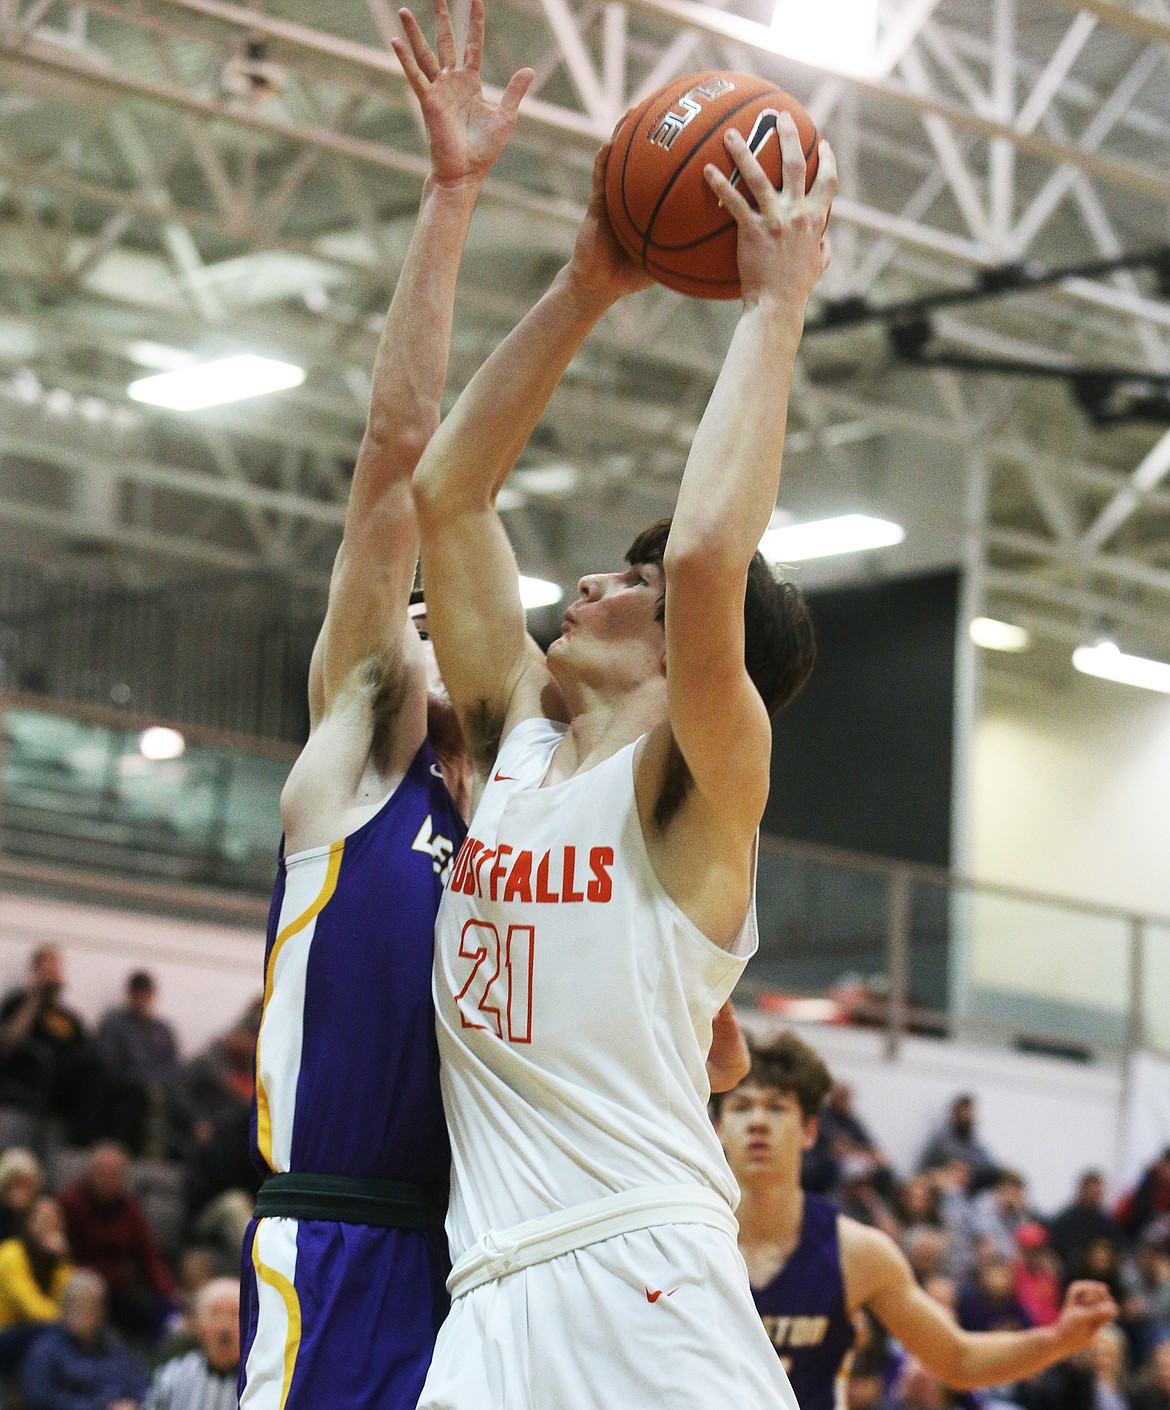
(964,868)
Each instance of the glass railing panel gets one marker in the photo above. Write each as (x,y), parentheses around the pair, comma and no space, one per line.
(1039,975)
(1155,996)
(822,929)
(82,794)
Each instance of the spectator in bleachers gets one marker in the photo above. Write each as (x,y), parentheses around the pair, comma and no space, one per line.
(1100,1259)
(953,1183)
(998,1212)
(1037,1271)
(1094,1380)
(79,1364)
(1149,1201)
(1153,1389)
(217,1083)
(1145,1277)
(34,1267)
(21,1180)
(47,1063)
(110,1233)
(221,1184)
(1082,1221)
(957,1140)
(205,1378)
(926,1251)
(987,1302)
(848,1135)
(918,1202)
(140,1057)
(858,1197)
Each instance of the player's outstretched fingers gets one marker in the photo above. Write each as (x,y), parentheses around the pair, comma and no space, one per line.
(751,172)
(473,49)
(418,80)
(518,85)
(424,61)
(444,36)
(793,168)
(732,200)
(825,183)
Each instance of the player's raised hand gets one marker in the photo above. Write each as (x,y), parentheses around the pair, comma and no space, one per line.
(599,264)
(1088,1307)
(782,249)
(466,132)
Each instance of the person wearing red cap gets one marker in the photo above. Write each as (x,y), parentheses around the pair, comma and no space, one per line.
(1038,1288)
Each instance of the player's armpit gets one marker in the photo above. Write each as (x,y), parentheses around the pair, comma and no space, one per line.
(492,669)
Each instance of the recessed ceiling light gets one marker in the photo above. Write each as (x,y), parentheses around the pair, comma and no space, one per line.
(822,538)
(158,742)
(215,383)
(994,635)
(539,592)
(1108,661)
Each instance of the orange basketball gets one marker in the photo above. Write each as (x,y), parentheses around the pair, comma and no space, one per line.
(661,208)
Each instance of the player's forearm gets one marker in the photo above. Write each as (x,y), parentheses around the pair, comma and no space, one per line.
(410,369)
(732,475)
(997,1358)
(480,440)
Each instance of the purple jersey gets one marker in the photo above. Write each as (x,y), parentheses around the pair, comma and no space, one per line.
(803,1309)
(336,1314)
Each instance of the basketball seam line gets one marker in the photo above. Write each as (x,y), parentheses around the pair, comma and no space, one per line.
(721,230)
(682,166)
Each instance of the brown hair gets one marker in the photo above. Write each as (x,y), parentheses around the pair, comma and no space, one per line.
(790,1066)
(780,646)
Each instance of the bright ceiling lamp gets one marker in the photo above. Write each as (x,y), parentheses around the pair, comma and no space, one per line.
(539,592)
(214,383)
(158,742)
(822,538)
(1108,661)
(994,635)
(840,35)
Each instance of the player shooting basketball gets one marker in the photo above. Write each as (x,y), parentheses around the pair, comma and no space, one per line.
(345,1262)
(602,907)
(812,1268)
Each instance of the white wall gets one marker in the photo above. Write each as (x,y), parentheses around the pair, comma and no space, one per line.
(1071,792)
(1071,795)
(207,974)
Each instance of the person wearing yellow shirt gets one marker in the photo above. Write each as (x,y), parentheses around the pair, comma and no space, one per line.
(34,1268)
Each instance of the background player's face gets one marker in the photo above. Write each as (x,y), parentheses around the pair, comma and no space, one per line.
(764,1133)
(611,634)
(436,690)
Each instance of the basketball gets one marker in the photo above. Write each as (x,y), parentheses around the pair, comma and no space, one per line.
(660,206)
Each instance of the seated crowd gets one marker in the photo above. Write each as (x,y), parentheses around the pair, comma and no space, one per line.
(125,1189)
(977,1247)
(101,1308)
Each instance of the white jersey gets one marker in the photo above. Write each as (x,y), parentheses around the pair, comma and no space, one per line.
(575,1001)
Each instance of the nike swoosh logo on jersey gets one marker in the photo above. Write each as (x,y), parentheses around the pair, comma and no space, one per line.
(436,770)
(498,777)
(654,1296)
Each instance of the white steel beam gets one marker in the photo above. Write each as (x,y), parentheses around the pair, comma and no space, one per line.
(954,164)
(1001,195)
(1154,468)
(900,34)
(578,62)
(1046,87)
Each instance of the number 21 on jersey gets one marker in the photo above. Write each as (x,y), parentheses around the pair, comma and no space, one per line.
(480,1002)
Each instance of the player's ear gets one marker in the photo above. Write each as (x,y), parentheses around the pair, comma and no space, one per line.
(812,1127)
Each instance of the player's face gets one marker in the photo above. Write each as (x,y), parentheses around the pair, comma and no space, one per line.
(612,631)
(764,1132)
(436,690)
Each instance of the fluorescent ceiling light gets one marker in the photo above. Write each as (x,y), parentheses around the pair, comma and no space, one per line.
(998,636)
(214,383)
(1108,661)
(840,35)
(158,742)
(159,357)
(539,592)
(821,538)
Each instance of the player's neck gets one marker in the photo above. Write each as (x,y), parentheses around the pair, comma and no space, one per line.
(602,722)
(771,1213)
